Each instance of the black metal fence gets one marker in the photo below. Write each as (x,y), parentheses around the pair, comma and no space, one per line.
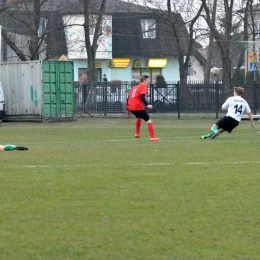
(109,98)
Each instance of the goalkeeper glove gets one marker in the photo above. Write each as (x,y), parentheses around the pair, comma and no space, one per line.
(21,148)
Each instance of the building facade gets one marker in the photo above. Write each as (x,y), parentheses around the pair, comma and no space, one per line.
(135,40)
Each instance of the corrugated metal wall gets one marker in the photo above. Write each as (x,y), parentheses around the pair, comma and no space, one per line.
(39,88)
(22,87)
(58,89)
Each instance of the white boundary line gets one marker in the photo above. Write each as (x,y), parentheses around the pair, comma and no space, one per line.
(221,163)
(140,164)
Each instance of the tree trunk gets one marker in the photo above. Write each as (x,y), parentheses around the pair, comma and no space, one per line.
(245,34)
(92,48)
(183,70)
(210,48)
(91,70)
(223,42)
(12,45)
(176,31)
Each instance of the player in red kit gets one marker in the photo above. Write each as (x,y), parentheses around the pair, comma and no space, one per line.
(135,104)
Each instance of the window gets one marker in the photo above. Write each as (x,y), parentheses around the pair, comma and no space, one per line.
(152,73)
(82,74)
(190,71)
(42,27)
(148,28)
(93,24)
(257,29)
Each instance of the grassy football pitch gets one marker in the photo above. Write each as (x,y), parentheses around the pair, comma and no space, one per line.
(89,190)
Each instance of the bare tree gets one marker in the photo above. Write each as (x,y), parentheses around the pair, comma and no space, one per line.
(11,43)
(26,14)
(223,40)
(226,31)
(31,19)
(184,63)
(92,48)
(244,17)
(210,47)
(181,17)
(4,5)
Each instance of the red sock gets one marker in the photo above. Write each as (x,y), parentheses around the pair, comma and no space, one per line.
(151,129)
(138,126)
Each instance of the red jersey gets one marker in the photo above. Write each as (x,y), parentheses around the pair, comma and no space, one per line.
(134,99)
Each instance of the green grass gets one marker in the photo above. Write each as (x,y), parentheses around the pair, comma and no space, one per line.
(89,190)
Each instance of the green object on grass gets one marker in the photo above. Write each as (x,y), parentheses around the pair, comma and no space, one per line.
(214,129)
(209,135)
(10,147)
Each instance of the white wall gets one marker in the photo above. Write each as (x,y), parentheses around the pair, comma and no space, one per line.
(75,37)
(198,70)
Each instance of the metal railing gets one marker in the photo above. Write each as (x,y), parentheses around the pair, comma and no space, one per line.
(109,98)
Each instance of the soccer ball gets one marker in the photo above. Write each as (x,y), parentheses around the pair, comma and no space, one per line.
(214,72)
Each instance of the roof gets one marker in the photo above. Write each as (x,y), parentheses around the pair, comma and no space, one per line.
(128,38)
(255,8)
(112,6)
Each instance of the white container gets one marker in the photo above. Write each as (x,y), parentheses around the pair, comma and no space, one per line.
(22,87)
(2,103)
